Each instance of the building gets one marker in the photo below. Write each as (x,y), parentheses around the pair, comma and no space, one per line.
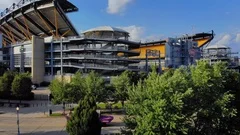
(216,53)
(37,36)
(174,52)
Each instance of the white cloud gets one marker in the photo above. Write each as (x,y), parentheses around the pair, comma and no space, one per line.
(7,3)
(117,6)
(224,40)
(137,34)
(231,40)
(238,38)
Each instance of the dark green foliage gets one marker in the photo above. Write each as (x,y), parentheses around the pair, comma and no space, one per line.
(21,86)
(196,100)
(6,84)
(3,68)
(85,119)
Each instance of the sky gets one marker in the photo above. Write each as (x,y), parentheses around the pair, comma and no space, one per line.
(148,20)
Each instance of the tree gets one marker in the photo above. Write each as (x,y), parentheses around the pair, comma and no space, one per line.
(3,68)
(155,105)
(195,100)
(121,84)
(6,84)
(60,90)
(85,120)
(75,89)
(21,86)
(78,87)
(211,108)
(94,84)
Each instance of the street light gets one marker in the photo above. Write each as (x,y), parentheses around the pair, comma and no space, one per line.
(18,119)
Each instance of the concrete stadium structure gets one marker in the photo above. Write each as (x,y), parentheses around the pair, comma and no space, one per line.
(37,36)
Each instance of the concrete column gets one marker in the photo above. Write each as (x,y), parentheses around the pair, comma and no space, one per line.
(61,46)
(38,60)
(52,58)
(11,58)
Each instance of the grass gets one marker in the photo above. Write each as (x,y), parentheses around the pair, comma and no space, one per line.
(117,105)
(56,115)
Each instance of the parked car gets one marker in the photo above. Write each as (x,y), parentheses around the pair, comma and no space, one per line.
(34,86)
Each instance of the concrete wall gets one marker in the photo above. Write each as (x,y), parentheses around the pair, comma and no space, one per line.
(38,66)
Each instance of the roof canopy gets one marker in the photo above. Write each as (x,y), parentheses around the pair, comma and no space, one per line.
(106,32)
(42,18)
(106,28)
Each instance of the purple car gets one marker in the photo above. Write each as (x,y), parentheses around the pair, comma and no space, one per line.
(106,119)
(103,118)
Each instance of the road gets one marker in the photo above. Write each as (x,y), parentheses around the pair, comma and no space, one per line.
(34,120)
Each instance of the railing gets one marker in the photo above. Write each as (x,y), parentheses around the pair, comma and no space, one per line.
(15,6)
(88,48)
(89,56)
(88,65)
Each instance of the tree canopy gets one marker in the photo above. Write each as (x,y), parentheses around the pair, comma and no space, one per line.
(85,120)
(21,85)
(121,84)
(78,87)
(6,84)
(195,100)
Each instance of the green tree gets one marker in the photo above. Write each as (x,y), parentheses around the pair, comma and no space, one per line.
(78,87)
(75,89)
(60,90)
(94,84)
(121,84)
(211,109)
(85,119)
(196,100)
(21,86)
(3,68)
(155,105)
(6,84)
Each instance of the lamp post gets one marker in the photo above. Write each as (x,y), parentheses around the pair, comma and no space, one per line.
(18,120)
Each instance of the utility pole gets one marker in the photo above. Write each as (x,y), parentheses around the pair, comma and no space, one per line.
(21,59)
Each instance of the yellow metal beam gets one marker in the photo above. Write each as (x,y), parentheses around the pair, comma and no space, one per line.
(42,35)
(65,33)
(4,43)
(8,34)
(25,22)
(19,27)
(10,31)
(45,23)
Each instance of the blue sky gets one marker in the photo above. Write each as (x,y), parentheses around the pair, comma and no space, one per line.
(155,19)
(148,20)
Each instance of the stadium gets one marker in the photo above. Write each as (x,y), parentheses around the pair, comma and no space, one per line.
(38,37)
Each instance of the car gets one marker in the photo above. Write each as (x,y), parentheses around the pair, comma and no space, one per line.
(34,86)
(106,119)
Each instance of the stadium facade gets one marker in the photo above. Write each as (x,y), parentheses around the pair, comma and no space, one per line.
(37,36)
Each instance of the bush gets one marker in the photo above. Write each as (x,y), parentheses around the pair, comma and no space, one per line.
(116,107)
(85,119)
(21,86)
